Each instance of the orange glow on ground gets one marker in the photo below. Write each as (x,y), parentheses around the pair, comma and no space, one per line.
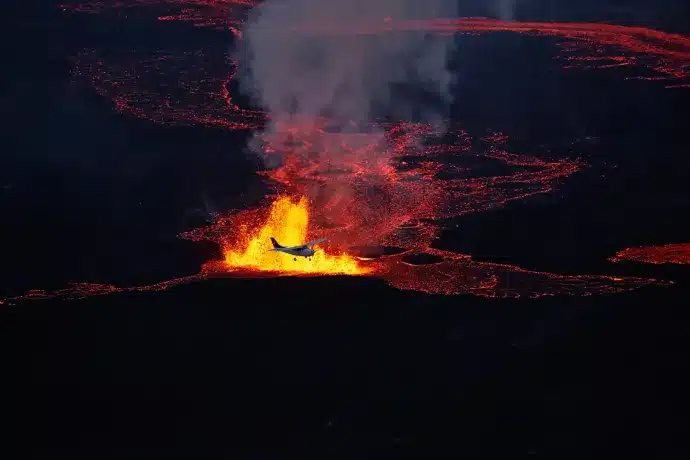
(288,223)
(390,187)
(678,253)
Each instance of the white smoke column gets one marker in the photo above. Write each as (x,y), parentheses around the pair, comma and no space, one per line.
(303,59)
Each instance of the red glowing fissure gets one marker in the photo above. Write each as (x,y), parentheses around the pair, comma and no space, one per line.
(382,215)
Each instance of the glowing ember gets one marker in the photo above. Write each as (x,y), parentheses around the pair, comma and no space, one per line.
(678,253)
(288,222)
(389,187)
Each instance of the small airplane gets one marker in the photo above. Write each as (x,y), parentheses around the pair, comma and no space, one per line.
(303,250)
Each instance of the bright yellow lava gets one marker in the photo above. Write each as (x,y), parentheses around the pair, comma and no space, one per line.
(287,222)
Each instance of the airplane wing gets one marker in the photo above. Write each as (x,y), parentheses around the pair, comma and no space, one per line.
(313,243)
(304,246)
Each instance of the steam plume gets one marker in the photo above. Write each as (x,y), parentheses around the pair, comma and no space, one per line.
(304,59)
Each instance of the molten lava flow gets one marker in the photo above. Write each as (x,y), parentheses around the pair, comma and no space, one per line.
(391,186)
(182,88)
(287,222)
(678,253)
(141,85)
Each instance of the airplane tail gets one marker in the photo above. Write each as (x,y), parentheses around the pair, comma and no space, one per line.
(275,244)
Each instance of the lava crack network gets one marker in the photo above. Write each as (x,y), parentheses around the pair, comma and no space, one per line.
(380,198)
(145,84)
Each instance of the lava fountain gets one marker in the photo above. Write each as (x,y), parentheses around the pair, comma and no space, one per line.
(287,222)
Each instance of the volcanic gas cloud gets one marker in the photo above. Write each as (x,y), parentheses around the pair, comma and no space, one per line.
(302,81)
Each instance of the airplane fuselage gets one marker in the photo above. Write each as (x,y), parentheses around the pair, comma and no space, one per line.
(305,252)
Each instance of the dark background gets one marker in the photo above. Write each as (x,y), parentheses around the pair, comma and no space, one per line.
(337,368)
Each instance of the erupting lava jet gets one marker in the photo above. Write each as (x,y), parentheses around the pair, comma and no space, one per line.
(304,250)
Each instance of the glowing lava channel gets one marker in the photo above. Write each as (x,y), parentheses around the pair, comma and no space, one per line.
(288,223)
